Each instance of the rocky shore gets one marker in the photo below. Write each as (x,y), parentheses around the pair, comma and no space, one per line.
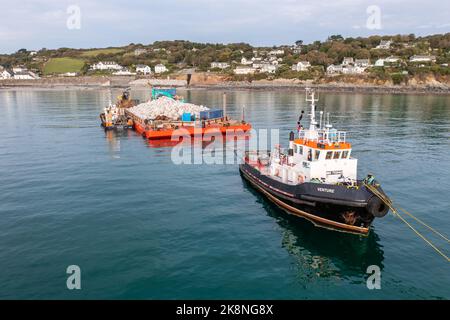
(87,83)
(335,87)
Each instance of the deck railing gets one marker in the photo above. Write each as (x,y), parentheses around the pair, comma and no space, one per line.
(323,136)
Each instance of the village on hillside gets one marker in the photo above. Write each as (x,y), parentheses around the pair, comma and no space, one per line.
(388,57)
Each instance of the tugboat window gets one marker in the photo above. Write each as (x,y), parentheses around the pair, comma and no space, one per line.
(317,155)
(337,155)
(300,149)
(344,154)
(329,155)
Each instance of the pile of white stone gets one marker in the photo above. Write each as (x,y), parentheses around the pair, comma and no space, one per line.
(165,107)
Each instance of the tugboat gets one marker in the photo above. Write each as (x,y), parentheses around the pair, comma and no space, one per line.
(114,117)
(317,178)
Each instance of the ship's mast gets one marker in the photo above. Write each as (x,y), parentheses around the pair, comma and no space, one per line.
(310,97)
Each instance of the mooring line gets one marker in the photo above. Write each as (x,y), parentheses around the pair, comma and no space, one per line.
(424,224)
(390,204)
(425,239)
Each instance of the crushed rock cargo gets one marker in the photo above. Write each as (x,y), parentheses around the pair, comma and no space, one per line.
(165,107)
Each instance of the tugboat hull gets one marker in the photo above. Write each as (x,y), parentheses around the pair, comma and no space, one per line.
(330,206)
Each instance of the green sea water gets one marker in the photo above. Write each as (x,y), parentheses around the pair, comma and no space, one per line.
(141,227)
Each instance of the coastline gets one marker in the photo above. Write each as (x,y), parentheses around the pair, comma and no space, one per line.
(122,82)
(335,88)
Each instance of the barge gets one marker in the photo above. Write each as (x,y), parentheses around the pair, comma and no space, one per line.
(194,124)
(155,130)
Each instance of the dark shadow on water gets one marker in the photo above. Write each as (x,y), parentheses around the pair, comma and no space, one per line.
(326,251)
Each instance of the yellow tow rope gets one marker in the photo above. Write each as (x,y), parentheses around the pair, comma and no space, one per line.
(389,203)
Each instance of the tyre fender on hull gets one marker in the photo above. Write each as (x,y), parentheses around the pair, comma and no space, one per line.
(376,207)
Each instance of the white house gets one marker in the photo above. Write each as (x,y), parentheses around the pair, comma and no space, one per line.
(123,72)
(18,69)
(384,44)
(383,61)
(301,66)
(380,63)
(106,65)
(353,70)
(244,70)
(257,64)
(23,75)
(33,53)
(34,75)
(269,68)
(4,74)
(348,61)
(246,61)
(160,68)
(296,49)
(220,65)
(362,63)
(333,69)
(69,74)
(419,58)
(143,69)
(392,59)
(277,52)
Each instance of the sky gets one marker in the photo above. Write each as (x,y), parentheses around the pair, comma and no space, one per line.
(36,24)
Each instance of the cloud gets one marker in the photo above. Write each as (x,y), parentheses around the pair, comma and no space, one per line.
(42,23)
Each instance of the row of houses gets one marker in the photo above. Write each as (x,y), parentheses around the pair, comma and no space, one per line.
(120,70)
(349,66)
(253,65)
(18,73)
(358,66)
(256,68)
(270,59)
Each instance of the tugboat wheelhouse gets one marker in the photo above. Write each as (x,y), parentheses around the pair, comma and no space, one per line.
(317,177)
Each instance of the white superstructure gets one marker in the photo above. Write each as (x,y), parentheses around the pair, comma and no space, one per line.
(318,154)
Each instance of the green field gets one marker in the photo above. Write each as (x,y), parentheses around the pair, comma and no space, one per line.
(93,53)
(63,65)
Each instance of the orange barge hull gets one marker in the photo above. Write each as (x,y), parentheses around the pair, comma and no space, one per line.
(191,131)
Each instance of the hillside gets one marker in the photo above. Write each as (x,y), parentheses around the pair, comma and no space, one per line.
(389,59)
(63,65)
